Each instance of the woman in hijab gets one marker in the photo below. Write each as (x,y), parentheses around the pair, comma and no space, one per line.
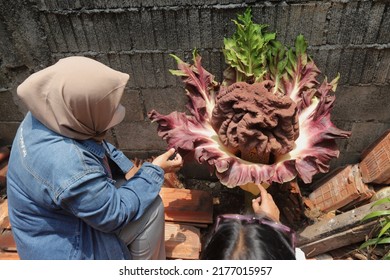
(63,202)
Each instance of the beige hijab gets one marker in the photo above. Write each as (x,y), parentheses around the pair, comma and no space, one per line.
(77,97)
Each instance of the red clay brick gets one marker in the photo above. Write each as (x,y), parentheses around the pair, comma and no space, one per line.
(375,162)
(7,242)
(340,188)
(4,220)
(186,205)
(9,256)
(182,241)
(308,203)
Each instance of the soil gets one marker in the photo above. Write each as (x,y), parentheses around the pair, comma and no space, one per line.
(225,200)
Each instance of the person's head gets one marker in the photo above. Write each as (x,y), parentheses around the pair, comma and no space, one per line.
(77,97)
(239,237)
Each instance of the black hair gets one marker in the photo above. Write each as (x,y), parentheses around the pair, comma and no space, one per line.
(239,240)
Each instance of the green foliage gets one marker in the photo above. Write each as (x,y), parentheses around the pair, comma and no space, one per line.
(383,236)
(246,50)
(255,55)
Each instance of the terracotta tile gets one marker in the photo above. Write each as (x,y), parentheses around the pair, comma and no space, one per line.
(185,205)
(308,203)
(182,241)
(5,223)
(375,162)
(9,256)
(340,188)
(4,220)
(7,242)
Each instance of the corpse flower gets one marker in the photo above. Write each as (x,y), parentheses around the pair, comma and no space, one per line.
(268,121)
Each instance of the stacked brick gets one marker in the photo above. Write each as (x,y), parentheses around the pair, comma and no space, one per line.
(341,188)
(4,154)
(353,185)
(375,163)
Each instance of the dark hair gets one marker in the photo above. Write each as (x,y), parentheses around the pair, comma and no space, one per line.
(239,240)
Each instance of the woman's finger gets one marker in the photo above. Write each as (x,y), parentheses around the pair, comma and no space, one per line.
(169,153)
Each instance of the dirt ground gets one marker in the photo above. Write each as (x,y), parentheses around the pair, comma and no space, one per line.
(225,200)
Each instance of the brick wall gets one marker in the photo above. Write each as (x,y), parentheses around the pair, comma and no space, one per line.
(347,36)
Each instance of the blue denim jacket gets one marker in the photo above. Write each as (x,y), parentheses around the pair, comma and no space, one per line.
(63,204)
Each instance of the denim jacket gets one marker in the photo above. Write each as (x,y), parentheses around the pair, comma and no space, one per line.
(62,202)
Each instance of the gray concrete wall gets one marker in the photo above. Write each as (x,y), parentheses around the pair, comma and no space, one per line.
(347,36)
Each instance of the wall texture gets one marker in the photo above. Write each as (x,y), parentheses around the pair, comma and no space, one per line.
(351,37)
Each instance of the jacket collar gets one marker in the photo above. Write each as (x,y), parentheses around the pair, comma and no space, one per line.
(94,147)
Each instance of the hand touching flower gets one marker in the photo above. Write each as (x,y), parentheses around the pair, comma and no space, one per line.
(167,164)
(264,204)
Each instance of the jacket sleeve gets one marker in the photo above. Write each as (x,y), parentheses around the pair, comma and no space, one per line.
(118,157)
(95,199)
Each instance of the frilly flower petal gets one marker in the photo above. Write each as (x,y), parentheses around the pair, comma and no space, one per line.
(311,152)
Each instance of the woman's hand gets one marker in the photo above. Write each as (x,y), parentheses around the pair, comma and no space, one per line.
(169,165)
(265,204)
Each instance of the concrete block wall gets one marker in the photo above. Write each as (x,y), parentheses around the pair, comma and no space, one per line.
(351,37)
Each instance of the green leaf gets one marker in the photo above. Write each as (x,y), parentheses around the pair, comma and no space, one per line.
(384,240)
(246,50)
(368,243)
(385,229)
(177,73)
(277,61)
(381,201)
(178,60)
(376,214)
(300,48)
(375,241)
